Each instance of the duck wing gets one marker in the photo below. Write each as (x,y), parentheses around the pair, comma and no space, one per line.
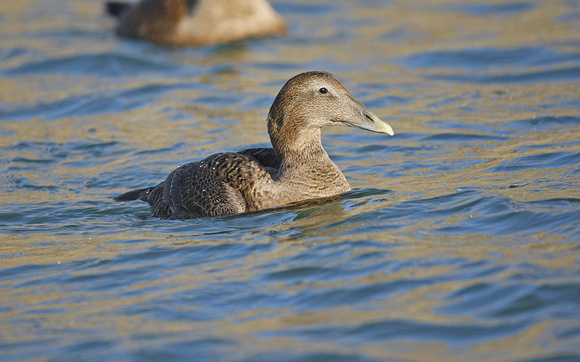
(266,156)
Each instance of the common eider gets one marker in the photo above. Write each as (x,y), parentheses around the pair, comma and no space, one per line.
(196,22)
(296,169)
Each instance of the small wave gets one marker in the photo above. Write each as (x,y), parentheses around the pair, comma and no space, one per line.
(490,58)
(566,74)
(482,9)
(102,65)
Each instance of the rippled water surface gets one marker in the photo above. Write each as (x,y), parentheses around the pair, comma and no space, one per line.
(459,241)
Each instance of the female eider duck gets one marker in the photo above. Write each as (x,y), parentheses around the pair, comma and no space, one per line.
(296,169)
(196,22)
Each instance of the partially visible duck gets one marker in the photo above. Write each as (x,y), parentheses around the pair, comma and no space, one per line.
(196,22)
(296,169)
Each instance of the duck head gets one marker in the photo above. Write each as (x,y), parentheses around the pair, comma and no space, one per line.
(310,101)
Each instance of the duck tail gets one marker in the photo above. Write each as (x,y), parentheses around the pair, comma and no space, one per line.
(134,195)
(115,8)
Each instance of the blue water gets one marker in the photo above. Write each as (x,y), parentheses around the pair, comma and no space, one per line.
(459,241)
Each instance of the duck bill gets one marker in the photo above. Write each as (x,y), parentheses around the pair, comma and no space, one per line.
(375,124)
(370,121)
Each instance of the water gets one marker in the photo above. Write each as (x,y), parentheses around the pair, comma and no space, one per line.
(460,239)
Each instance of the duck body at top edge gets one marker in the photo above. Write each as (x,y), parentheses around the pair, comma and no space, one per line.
(196,22)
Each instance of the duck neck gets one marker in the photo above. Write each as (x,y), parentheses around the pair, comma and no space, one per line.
(304,151)
(303,161)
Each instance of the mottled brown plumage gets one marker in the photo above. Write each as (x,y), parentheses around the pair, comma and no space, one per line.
(196,22)
(296,169)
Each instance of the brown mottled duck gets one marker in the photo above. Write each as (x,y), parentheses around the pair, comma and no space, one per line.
(296,169)
(196,22)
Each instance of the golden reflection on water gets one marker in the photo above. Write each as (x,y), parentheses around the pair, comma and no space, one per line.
(98,313)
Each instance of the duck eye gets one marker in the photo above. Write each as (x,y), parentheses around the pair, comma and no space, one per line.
(323,90)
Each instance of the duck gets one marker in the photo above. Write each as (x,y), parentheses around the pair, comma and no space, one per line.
(295,169)
(196,22)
